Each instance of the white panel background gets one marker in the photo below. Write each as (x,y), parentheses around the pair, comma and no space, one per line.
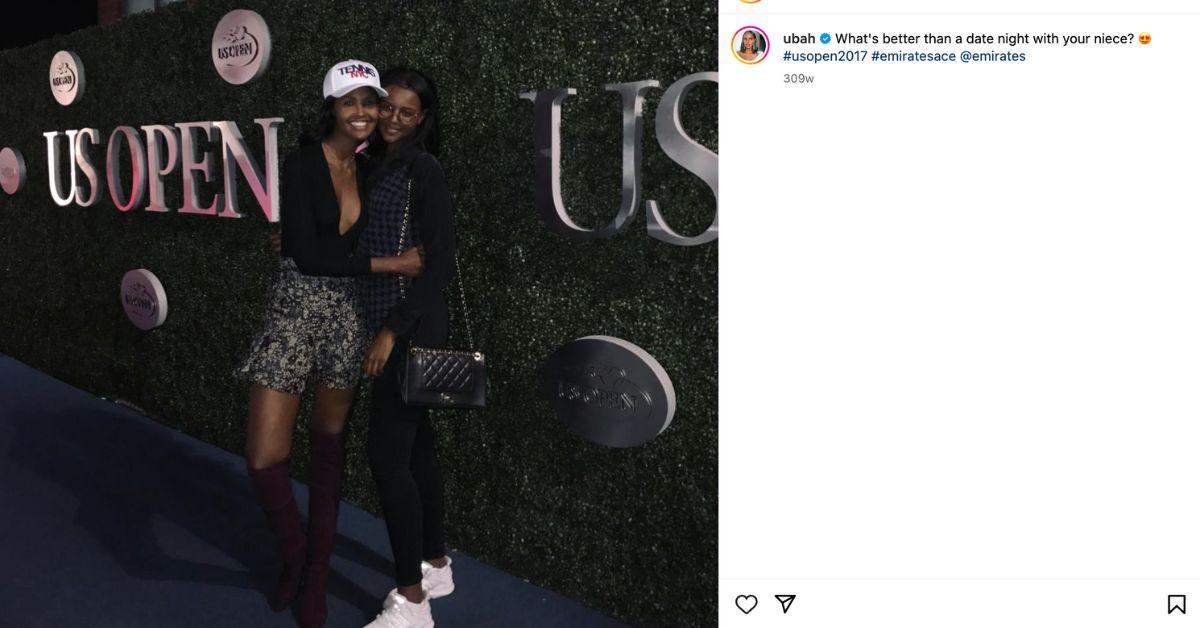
(960,321)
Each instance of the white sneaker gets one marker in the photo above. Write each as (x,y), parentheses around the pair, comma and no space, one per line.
(400,613)
(437,581)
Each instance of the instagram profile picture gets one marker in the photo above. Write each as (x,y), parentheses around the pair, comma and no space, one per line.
(750,45)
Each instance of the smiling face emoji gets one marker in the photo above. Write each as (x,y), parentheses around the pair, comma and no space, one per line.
(1144,38)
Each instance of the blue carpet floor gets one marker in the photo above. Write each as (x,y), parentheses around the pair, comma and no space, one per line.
(108,518)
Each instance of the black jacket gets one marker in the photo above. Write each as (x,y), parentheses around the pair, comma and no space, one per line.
(423,316)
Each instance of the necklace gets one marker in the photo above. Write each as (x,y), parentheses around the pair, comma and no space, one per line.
(345,165)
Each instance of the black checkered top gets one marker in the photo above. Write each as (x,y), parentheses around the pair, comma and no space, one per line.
(378,293)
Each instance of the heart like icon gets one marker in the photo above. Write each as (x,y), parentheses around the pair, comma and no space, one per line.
(746,603)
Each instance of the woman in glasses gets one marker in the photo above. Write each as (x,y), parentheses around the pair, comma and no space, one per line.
(408,185)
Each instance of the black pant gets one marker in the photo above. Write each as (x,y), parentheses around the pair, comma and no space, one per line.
(404,460)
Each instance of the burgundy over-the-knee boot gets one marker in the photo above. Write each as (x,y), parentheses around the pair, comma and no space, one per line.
(324,497)
(273,488)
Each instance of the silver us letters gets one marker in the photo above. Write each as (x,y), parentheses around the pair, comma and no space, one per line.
(674,141)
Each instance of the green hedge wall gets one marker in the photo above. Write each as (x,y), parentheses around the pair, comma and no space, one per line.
(630,532)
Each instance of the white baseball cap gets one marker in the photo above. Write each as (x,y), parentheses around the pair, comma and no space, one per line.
(350,75)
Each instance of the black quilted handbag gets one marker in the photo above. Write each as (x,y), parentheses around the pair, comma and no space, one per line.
(443,378)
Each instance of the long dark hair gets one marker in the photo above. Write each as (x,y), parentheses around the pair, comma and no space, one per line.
(322,127)
(425,138)
(758,42)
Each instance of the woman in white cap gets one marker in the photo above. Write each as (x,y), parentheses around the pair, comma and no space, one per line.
(312,331)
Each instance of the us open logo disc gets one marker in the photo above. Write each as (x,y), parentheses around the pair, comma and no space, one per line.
(609,391)
(12,170)
(144,299)
(241,46)
(66,77)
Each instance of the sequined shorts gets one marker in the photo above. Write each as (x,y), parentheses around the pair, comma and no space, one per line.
(312,331)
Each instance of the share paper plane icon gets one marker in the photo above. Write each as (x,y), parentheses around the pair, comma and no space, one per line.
(786,601)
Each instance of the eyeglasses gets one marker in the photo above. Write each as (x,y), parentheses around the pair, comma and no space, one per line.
(406,115)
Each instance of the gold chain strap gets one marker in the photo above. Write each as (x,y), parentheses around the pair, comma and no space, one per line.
(462,293)
(403,231)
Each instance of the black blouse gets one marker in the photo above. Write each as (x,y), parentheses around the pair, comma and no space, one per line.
(310,214)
